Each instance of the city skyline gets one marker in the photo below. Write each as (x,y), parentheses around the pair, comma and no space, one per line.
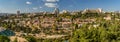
(11,6)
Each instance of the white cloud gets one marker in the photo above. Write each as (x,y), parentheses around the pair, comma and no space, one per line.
(28,2)
(40,7)
(51,0)
(35,8)
(51,4)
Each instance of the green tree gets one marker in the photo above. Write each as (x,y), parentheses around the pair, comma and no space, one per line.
(15,40)
(31,39)
(4,39)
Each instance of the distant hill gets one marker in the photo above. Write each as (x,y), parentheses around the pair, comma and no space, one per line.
(5,14)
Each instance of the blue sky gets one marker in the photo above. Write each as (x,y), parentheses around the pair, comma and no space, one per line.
(11,6)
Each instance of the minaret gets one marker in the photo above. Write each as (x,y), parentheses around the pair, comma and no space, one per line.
(18,12)
(56,11)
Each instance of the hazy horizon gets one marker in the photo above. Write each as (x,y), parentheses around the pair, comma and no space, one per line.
(11,6)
